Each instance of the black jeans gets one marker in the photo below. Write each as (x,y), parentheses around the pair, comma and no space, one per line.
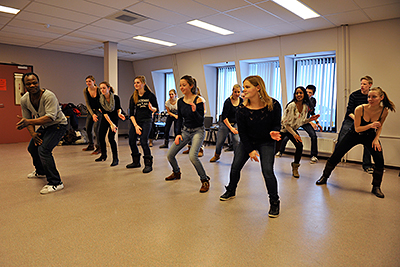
(104,127)
(298,145)
(168,124)
(144,138)
(42,155)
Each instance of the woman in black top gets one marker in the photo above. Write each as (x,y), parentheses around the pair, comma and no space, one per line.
(110,106)
(368,123)
(259,122)
(190,128)
(142,105)
(93,119)
(227,124)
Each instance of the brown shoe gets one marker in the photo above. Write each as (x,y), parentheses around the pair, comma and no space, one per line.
(89,148)
(186,151)
(201,152)
(215,158)
(205,185)
(173,176)
(96,151)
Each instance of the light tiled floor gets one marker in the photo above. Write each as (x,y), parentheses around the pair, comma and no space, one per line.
(113,216)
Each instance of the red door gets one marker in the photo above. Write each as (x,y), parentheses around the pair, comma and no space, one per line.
(8,107)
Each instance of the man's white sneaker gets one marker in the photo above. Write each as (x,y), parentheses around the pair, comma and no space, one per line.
(33,175)
(313,160)
(51,188)
(278,154)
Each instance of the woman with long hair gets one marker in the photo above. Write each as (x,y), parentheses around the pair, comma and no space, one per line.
(110,106)
(259,121)
(228,125)
(294,116)
(142,105)
(190,128)
(368,123)
(171,105)
(92,95)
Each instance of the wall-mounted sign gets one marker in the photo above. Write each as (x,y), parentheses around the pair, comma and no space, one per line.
(3,86)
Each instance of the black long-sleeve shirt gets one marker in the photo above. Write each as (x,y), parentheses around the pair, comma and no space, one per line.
(188,118)
(141,110)
(229,110)
(113,114)
(356,98)
(254,126)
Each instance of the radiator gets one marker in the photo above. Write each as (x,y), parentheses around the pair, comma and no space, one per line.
(325,145)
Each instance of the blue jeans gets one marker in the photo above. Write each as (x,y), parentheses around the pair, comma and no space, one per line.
(168,124)
(346,127)
(92,125)
(267,157)
(313,136)
(196,135)
(42,155)
(144,138)
(223,132)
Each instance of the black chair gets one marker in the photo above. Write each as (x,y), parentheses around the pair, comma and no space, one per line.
(211,134)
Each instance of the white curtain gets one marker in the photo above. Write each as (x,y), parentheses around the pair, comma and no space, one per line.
(320,72)
(270,72)
(226,80)
(169,83)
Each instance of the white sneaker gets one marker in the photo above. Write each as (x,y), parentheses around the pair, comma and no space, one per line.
(313,160)
(278,154)
(51,188)
(33,175)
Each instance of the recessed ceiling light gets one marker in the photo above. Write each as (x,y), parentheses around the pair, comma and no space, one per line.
(9,10)
(297,8)
(209,27)
(151,40)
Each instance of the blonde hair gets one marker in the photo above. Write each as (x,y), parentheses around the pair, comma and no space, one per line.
(256,80)
(141,78)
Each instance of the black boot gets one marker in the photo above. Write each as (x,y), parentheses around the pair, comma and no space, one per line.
(326,173)
(115,161)
(135,161)
(273,209)
(103,157)
(148,164)
(376,182)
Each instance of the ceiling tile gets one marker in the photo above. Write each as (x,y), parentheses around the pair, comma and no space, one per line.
(278,11)
(184,7)
(117,4)
(51,11)
(384,12)
(119,26)
(19,4)
(330,7)
(158,14)
(374,3)
(38,26)
(351,17)
(313,24)
(223,6)
(255,16)
(284,28)
(38,18)
(228,22)
(30,32)
(105,32)
(80,6)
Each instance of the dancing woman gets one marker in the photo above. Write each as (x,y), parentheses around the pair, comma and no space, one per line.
(368,123)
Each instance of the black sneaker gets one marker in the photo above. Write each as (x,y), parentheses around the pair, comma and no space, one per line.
(274,209)
(227,195)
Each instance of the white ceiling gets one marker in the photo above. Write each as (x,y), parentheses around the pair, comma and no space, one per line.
(80,26)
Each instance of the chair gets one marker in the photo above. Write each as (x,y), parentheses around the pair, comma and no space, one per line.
(211,134)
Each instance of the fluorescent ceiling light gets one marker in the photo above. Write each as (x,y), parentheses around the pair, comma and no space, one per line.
(297,8)
(9,10)
(209,27)
(151,40)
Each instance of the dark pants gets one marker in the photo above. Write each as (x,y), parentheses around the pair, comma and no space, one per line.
(267,157)
(347,125)
(313,136)
(104,127)
(352,139)
(42,155)
(298,145)
(92,125)
(144,138)
(168,124)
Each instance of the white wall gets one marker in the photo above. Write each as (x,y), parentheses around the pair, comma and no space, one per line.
(365,49)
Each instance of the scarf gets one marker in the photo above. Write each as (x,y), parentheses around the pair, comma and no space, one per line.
(109,107)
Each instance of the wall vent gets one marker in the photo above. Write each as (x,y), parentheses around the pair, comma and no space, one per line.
(127,17)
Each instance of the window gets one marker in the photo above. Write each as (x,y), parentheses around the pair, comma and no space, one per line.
(270,73)
(321,72)
(169,83)
(225,81)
